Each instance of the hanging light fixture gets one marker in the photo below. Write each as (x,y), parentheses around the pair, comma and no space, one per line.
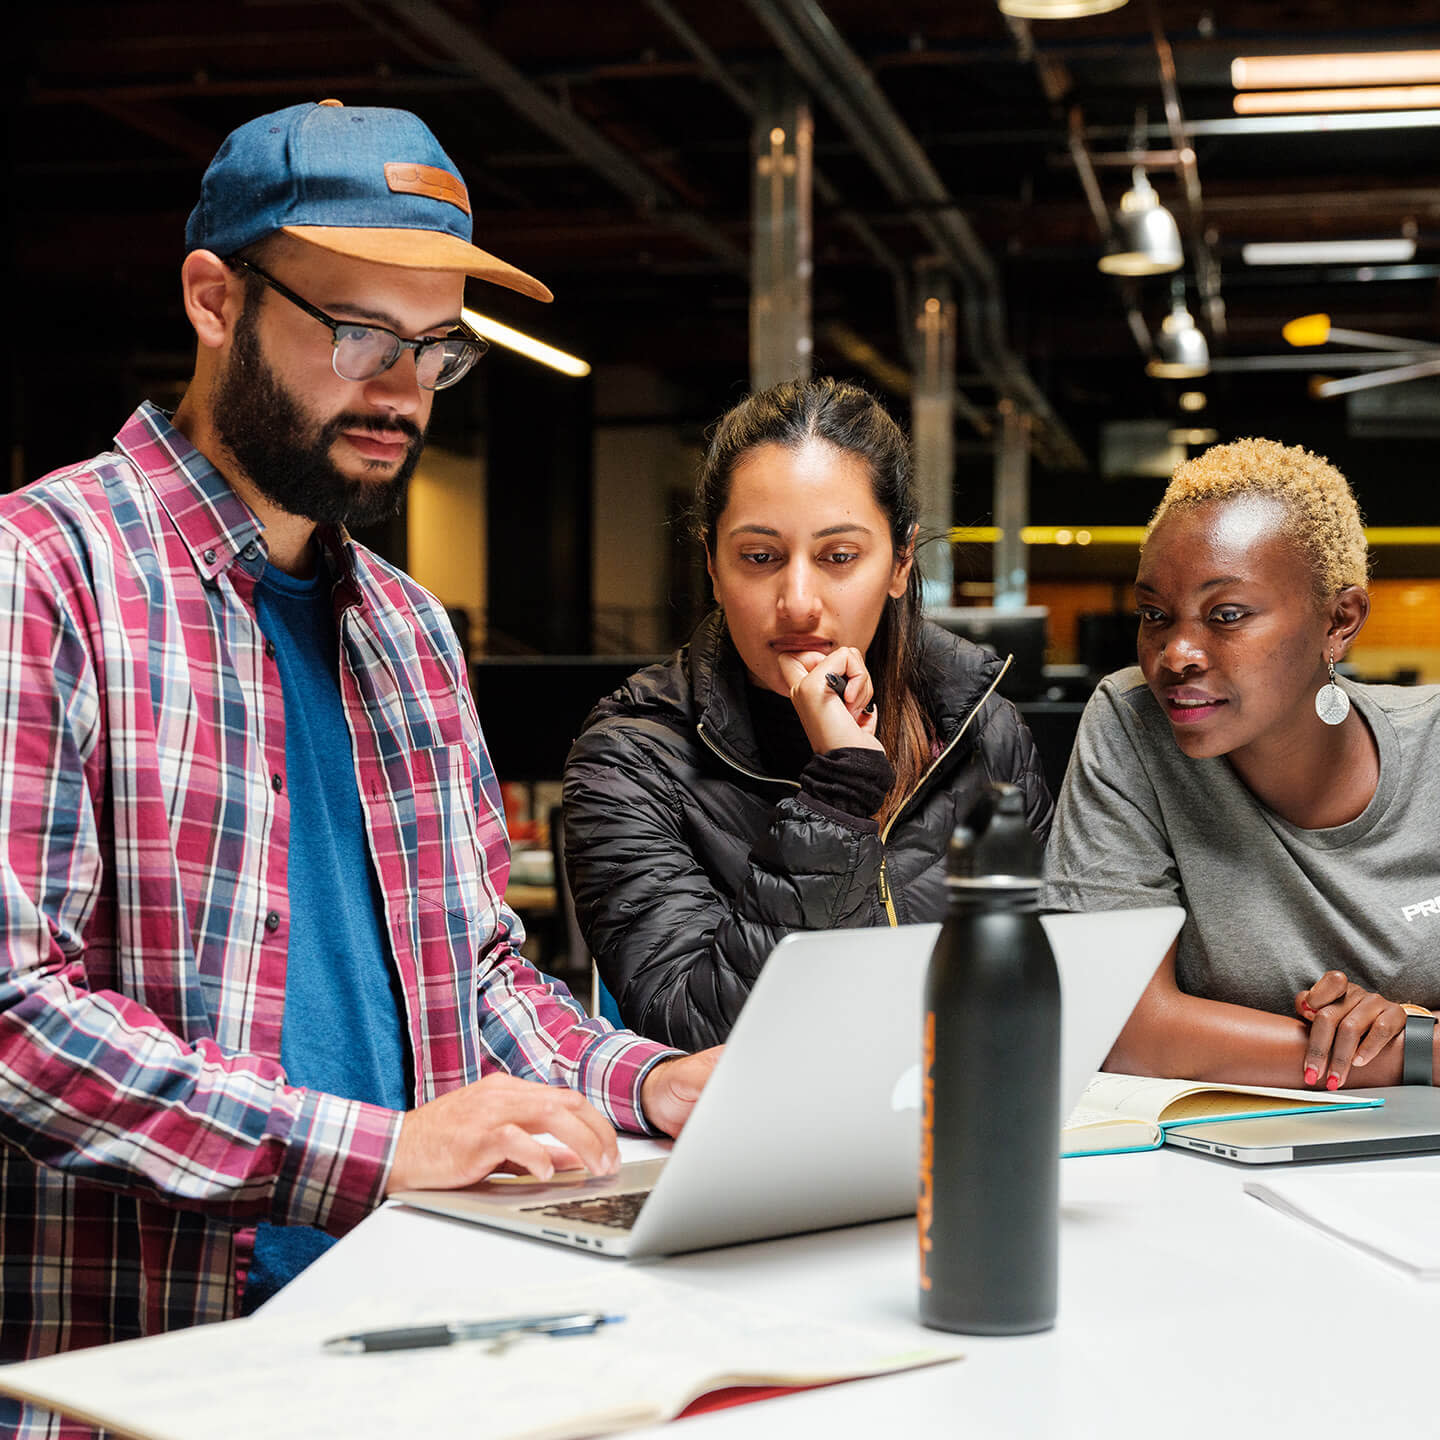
(1057,9)
(1180,349)
(1147,239)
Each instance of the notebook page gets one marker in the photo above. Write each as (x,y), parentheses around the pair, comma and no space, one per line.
(244,1378)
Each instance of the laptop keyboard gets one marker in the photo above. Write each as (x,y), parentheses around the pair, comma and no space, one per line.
(618,1212)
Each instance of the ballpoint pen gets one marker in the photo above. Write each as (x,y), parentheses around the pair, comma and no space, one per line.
(838,682)
(425,1337)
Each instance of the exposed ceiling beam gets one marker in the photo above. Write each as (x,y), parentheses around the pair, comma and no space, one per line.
(161,122)
(319,83)
(644,190)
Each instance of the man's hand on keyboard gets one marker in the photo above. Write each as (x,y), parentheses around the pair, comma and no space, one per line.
(461,1137)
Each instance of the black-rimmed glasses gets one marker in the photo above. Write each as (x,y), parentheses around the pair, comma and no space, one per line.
(361,352)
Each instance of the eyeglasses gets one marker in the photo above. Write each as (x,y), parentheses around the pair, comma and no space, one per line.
(361,352)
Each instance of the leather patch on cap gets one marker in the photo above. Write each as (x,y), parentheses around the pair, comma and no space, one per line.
(427,180)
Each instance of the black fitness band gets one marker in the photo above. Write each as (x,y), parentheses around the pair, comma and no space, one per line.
(1417,1064)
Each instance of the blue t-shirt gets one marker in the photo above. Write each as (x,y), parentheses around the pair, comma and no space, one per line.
(344,1031)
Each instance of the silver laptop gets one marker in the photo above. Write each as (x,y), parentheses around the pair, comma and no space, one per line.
(1407,1124)
(811,1118)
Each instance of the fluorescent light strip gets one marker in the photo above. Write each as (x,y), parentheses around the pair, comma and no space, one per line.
(1328,252)
(1052,534)
(1311,124)
(1135,534)
(523,344)
(1283,72)
(1290,102)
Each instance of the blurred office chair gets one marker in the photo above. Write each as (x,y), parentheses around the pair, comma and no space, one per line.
(602,1002)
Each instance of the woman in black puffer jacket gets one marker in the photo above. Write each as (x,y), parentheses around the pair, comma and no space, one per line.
(801,764)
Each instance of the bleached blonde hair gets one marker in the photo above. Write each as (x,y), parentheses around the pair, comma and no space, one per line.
(1326,521)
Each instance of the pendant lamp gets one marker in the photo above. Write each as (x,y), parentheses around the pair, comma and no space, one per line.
(1147,237)
(1057,9)
(1180,349)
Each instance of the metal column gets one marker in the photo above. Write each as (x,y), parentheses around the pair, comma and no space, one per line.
(780,260)
(1012,506)
(932,425)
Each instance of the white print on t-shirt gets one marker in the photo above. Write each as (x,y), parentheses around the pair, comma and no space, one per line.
(1425,907)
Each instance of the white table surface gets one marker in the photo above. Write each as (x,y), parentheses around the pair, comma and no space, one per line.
(1187,1308)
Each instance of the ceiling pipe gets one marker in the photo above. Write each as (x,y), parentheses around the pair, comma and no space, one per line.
(836,75)
(652,198)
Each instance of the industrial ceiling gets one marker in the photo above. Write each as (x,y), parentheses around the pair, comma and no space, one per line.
(607,147)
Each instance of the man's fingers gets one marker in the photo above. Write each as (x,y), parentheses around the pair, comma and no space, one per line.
(570,1118)
(514,1145)
(671,1089)
(589,1135)
(562,1157)
(461,1136)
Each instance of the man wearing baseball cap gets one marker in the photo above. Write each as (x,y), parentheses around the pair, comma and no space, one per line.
(257,971)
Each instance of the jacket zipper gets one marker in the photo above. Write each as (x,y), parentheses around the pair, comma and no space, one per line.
(884,885)
(881,880)
(736,765)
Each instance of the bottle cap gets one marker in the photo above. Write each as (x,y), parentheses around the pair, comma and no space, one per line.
(995,849)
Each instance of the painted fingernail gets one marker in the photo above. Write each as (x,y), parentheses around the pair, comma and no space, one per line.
(1311,1074)
(1333,1083)
(1305,1008)
(870,708)
(835,682)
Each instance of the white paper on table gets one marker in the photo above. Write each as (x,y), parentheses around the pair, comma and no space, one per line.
(1392,1215)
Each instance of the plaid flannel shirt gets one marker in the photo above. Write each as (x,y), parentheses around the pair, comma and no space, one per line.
(145,1121)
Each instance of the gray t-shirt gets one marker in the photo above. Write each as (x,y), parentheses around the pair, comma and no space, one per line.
(1271,906)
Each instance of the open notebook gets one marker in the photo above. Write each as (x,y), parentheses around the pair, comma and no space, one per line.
(275,1378)
(811,1118)
(1119,1113)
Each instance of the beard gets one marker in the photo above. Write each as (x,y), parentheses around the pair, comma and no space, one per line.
(286,453)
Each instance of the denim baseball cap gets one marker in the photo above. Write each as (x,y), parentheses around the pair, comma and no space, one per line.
(361,181)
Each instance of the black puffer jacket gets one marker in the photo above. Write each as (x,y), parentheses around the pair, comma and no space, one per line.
(688,865)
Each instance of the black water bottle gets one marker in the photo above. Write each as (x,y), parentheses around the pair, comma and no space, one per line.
(990,1144)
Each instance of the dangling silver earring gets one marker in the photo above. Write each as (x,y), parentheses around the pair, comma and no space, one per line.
(1332,704)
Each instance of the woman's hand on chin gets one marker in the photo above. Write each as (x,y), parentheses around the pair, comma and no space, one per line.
(1349,1027)
(837,714)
